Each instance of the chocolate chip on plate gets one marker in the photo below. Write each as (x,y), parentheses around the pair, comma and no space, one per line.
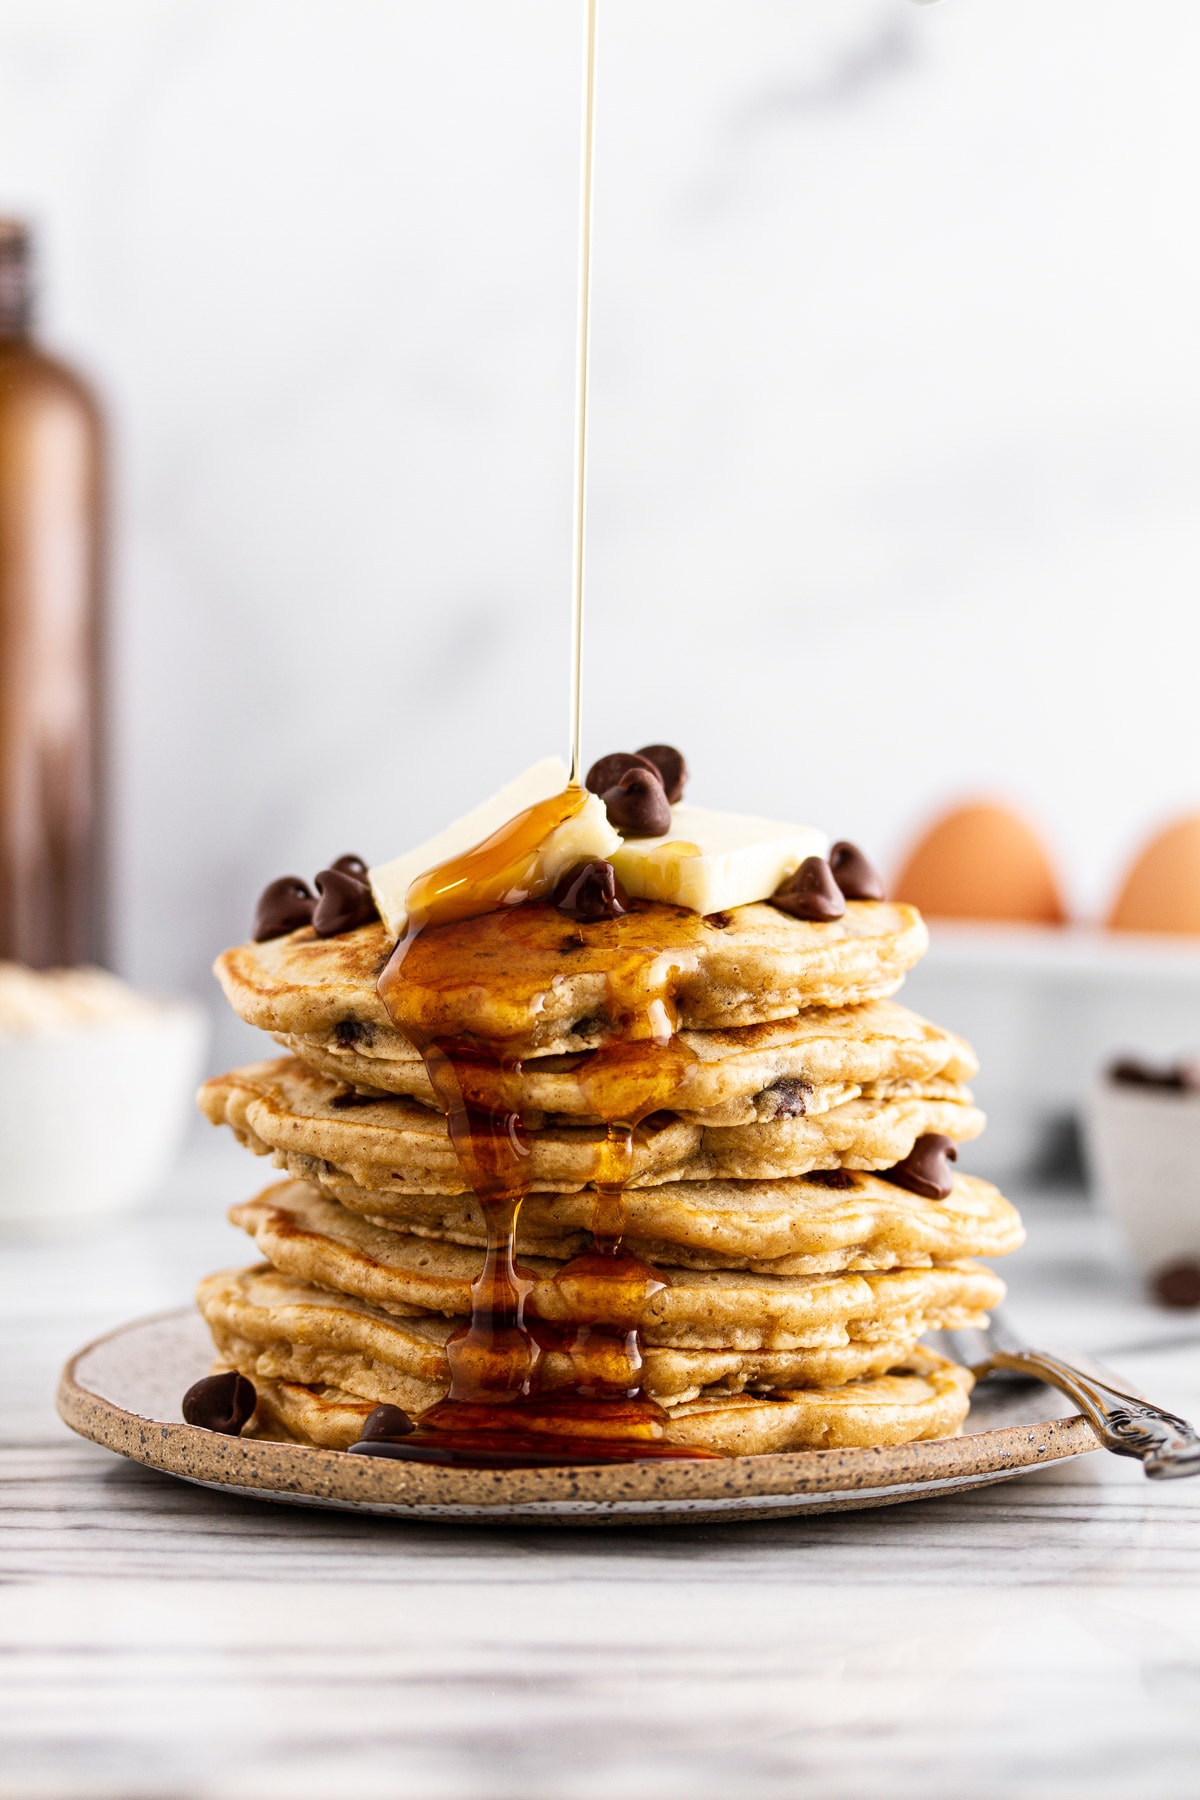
(590,892)
(223,1403)
(350,865)
(608,771)
(1178,1284)
(384,1424)
(284,905)
(857,878)
(671,766)
(926,1169)
(345,903)
(811,893)
(638,806)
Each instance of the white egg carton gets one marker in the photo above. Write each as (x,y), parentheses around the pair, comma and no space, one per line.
(1046,1008)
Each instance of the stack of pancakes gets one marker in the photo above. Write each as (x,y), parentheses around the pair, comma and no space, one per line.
(794,1272)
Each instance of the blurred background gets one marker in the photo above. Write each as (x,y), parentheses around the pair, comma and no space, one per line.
(896,417)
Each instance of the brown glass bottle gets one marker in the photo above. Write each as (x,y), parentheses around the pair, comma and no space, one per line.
(51,512)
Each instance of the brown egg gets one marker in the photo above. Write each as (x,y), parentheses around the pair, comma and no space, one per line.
(982,862)
(1162,890)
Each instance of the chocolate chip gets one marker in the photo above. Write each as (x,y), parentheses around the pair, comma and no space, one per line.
(1130,1071)
(345,903)
(284,905)
(857,878)
(671,767)
(790,1098)
(1178,1284)
(608,771)
(590,892)
(831,1178)
(926,1169)
(223,1403)
(811,893)
(718,921)
(638,805)
(384,1424)
(351,865)
(349,1032)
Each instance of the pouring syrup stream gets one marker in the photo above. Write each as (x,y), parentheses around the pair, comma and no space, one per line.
(587,207)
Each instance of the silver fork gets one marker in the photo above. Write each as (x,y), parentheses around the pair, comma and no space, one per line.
(1165,1446)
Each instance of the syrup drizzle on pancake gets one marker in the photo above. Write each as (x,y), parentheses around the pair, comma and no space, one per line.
(499,1407)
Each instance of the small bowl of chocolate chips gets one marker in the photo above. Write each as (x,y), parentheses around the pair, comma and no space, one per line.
(1143,1147)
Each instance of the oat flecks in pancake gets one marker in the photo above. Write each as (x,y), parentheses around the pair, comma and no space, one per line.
(865,1133)
(897,1408)
(759,966)
(736,1076)
(793,1227)
(397,1145)
(302,1233)
(902,1407)
(277,1326)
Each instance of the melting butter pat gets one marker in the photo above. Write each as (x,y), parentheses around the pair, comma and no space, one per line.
(712,861)
(585,835)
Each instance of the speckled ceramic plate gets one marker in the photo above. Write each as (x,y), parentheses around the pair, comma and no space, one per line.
(124,1390)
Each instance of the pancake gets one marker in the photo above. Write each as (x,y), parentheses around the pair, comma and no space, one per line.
(794,1227)
(778,1312)
(266,1322)
(529,975)
(395,1145)
(726,1076)
(302,1233)
(931,1401)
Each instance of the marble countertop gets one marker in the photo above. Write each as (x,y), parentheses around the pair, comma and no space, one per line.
(159,1641)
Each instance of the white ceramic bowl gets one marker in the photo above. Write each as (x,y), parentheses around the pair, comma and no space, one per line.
(1045,1009)
(1143,1150)
(91,1117)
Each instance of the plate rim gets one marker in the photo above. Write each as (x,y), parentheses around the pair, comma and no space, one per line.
(761,1486)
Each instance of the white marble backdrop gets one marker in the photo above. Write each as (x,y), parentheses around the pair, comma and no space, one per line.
(897,410)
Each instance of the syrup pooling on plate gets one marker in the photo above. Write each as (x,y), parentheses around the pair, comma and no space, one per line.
(473,919)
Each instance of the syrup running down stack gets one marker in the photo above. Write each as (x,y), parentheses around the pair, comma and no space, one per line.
(604,1140)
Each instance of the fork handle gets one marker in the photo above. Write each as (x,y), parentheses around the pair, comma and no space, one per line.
(1164,1445)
